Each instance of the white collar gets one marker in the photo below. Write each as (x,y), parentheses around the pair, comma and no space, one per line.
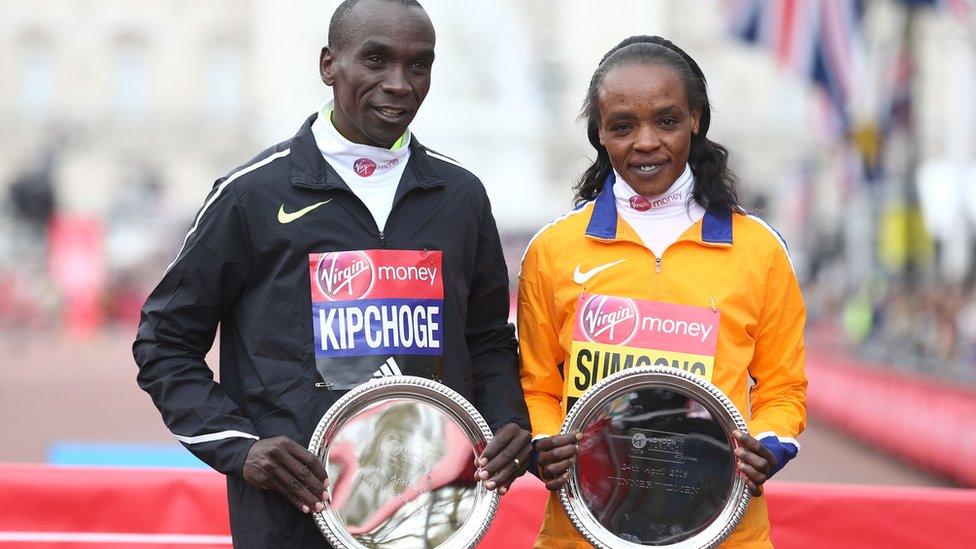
(356,156)
(674,201)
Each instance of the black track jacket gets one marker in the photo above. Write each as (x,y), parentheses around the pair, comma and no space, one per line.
(242,268)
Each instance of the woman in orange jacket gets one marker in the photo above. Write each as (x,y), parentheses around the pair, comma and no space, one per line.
(659,231)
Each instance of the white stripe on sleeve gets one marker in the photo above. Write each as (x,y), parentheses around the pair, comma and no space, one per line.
(214,436)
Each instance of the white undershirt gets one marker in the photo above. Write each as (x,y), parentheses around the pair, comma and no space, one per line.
(372,173)
(670,214)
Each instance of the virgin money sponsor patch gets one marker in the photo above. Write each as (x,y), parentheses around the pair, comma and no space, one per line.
(377,302)
(615,333)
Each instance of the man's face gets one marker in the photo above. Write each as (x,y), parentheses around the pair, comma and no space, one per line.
(380,71)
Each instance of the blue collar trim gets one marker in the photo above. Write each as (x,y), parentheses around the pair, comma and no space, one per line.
(717,226)
(603,220)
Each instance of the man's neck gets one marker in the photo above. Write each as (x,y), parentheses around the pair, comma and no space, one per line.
(330,112)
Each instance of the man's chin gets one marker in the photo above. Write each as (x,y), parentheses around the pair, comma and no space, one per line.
(384,139)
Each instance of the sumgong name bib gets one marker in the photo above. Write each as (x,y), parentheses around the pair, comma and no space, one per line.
(613,333)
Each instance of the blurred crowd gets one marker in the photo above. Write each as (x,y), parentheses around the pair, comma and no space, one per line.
(930,328)
(76,272)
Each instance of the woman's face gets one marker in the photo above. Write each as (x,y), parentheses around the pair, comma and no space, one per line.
(646,125)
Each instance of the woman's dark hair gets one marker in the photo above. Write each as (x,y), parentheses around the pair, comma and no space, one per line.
(715,184)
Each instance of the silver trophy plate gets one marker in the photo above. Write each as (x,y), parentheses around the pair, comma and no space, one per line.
(656,465)
(400,455)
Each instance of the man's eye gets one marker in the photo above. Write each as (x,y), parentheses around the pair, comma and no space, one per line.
(420,65)
(374,60)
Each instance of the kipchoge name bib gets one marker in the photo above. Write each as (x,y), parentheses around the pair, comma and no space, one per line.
(377,313)
(613,333)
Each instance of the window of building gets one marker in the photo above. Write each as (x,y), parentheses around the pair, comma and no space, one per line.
(37,74)
(223,83)
(131,74)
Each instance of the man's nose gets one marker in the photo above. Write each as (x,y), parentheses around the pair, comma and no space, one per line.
(396,81)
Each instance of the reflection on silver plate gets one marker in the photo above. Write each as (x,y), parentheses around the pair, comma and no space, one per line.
(656,465)
(400,454)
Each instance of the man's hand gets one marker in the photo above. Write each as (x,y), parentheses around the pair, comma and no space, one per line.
(755,461)
(283,465)
(556,456)
(505,458)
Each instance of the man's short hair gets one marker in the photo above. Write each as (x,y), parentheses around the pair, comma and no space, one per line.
(337,26)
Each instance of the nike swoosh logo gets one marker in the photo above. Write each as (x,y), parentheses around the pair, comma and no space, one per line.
(580,277)
(285,217)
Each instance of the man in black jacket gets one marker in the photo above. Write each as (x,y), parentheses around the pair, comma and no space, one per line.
(348,252)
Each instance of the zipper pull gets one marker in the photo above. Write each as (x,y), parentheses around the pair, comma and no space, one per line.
(657,264)
(382,240)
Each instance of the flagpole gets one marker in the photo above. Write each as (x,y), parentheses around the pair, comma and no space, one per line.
(909,179)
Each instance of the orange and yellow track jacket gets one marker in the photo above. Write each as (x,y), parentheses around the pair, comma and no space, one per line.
(730,263)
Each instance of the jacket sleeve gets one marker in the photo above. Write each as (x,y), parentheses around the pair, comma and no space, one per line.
(490,336)
(778,397)
(177,328)
(539,347)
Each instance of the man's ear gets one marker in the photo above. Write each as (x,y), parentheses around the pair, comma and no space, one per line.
(327,66)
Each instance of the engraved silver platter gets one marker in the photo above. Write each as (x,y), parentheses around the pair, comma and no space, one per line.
(656,465)
(400,455)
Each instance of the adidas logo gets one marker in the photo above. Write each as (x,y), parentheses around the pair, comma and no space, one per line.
(389,368)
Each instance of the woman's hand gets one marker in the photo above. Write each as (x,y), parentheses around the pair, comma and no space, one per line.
(754,460)
(556,456)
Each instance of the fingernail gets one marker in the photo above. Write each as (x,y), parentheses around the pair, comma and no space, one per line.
(737,434)
(482,462)
(305,509)
(579,436)
(501,491)
(740,452)
(319,507)
(490,485)
(325,496)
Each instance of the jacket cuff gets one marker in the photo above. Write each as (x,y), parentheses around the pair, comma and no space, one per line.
(226,455)
(783,449)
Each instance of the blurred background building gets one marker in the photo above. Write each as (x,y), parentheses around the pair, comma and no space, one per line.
(850,122)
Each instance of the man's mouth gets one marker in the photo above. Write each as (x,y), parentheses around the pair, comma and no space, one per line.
(391,113)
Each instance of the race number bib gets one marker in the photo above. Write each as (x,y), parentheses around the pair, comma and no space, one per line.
(377,313)
(613,333)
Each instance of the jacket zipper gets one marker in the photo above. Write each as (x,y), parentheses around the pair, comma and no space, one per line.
(657,264)
(382,240)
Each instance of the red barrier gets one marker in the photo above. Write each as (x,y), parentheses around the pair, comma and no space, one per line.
(927,422)
(43,507)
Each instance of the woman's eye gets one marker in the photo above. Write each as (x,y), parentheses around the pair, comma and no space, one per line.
(668,122)
(374,60)
(621,127)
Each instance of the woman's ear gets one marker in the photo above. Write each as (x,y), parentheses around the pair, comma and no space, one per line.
(695,120)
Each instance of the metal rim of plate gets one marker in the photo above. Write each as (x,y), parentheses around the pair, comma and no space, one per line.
(657,377)
(411,387)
